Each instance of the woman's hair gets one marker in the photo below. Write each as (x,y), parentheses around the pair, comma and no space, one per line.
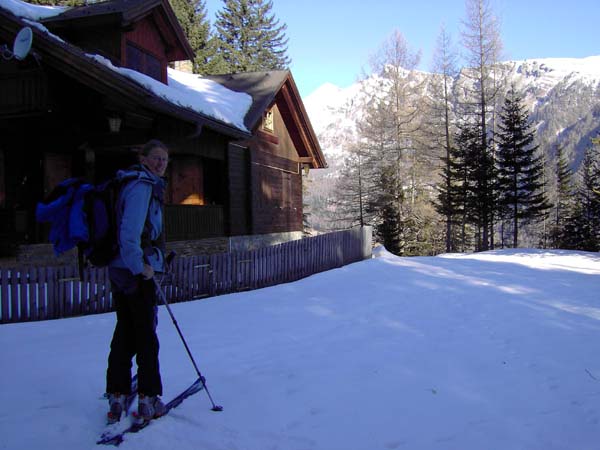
(151,145)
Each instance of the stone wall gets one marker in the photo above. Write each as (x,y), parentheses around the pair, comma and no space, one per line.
(43,255)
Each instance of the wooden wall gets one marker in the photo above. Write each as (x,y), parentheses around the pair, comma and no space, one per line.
(22,91)
(238,190)
(276,180)
(106,42)
(145,36)
(2,180)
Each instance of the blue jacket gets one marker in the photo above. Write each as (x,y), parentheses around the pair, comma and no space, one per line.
(139,211)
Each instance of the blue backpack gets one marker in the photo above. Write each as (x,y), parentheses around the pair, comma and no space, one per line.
(83,215)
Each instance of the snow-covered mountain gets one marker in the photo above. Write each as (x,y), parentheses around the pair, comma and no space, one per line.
(563,95)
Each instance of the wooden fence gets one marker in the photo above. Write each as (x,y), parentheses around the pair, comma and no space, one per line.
(40,293)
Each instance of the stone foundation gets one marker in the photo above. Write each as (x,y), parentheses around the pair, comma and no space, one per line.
(43,255)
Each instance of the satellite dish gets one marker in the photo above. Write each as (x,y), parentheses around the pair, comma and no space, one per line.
(22,43)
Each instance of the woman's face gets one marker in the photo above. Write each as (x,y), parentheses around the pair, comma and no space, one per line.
(156,161)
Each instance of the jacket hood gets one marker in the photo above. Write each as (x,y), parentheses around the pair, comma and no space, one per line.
(139,172)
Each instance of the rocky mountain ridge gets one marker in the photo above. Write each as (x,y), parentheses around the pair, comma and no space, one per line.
(563,95)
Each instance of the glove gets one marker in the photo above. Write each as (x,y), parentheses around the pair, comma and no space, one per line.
(148,272)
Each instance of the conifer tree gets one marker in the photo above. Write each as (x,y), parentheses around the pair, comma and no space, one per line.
(481,39)
(519,170)
(457,185)
(481,177)
(192,17)
(388,202)
(391,124)
(564,204)
(582,228)
(249,38)
(272,41)
(441,115)
(472,195)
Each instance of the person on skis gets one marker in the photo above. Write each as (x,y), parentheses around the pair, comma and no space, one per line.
(141,255)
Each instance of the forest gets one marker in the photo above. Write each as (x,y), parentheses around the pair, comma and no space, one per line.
(452,161)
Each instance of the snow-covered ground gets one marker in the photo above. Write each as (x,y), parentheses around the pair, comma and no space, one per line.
(497,350)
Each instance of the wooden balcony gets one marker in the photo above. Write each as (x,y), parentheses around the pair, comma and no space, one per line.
(185,222)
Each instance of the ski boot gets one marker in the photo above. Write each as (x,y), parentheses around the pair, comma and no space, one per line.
(116,404)
(150,407)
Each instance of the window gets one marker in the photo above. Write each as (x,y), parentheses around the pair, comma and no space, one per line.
(144,62)
(268,124)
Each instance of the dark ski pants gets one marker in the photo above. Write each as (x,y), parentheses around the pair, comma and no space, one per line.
(134,335)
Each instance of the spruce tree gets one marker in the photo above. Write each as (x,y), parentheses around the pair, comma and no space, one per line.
(564,204)
(582,227)
(192,17)
(388,202)
(473,168)
(458,185)
(249,38)
(272,41)
(519,169)
(483,45)
(481,190)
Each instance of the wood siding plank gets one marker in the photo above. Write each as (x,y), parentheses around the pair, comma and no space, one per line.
(5,295)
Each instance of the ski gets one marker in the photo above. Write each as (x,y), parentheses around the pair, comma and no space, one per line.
(116,436)
(117,427)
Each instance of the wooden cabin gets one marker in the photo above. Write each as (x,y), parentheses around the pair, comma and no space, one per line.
(282,145)
(68,109)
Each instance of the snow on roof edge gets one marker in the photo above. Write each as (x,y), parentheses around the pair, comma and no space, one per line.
(185,90)
(32,12)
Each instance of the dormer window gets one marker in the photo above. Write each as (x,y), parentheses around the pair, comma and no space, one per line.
(144,62)
(268,124)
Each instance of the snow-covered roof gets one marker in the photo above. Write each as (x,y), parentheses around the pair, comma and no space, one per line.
(193,92)
(32,12)
(184,90)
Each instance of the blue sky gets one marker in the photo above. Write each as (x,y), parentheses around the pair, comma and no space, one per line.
(331,40)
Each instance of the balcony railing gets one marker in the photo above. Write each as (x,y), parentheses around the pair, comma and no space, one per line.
(183,222)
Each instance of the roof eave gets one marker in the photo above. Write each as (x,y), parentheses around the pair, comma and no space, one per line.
(105,80)
(125,17)
(308,135)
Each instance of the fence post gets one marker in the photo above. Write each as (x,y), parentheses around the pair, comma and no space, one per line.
(367,241)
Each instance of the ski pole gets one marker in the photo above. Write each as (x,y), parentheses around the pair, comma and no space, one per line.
(163,298)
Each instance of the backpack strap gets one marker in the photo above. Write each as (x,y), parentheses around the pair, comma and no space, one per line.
(158,189)
(148,244)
